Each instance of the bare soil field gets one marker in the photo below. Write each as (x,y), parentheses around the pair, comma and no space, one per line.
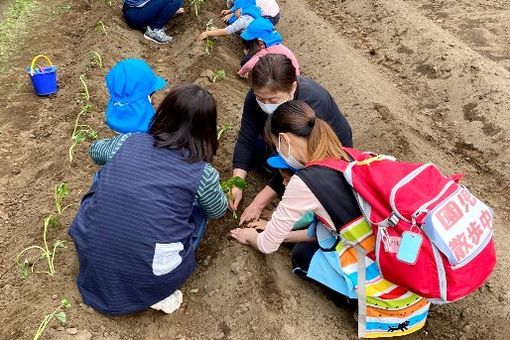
(421,80)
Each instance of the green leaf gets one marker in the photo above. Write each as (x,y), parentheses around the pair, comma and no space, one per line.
(239,182)
(61,316)
(51,221)
(25,269)
(78,137)
(59,244)
(62,190)
(92,134)
(65,303)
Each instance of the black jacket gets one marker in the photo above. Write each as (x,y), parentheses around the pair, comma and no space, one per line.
(254,119)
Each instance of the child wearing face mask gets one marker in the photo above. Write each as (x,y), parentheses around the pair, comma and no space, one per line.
(241,15)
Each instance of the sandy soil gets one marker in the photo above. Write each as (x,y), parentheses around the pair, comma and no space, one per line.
(417,79)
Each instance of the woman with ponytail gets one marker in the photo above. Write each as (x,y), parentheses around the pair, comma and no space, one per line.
(322,253)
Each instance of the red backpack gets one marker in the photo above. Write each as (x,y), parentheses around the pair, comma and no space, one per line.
(433,237)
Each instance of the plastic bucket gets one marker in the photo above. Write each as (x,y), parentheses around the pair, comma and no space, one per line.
(44,79)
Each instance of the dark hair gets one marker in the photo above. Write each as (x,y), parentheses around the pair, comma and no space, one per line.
(296,117)
(186,120)
(252,46)
(274,71)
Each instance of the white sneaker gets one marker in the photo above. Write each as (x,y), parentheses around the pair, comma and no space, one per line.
(170,304)
(157,35)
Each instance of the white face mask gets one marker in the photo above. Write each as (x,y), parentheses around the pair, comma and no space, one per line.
(268,108)
(294,163)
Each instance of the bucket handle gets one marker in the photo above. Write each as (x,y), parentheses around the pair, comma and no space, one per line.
(34,61)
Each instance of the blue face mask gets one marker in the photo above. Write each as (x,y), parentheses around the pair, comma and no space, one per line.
(291,161)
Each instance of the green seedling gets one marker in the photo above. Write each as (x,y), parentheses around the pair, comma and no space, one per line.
(229,184)
(96,60)
(218,75)
(101,26)
(84,94)
(221,131)
(61,192)
(196,5)
(45,251)
(81,132)
(210,26)
(109,3)
(59,314)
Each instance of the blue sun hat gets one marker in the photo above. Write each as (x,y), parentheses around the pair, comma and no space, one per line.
(263,29)
(277,162)
(130,83)
(248,7)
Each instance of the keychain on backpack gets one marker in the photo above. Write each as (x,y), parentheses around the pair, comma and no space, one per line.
(410,246)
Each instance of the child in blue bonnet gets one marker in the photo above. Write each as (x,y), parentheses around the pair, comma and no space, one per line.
(269,8)
(131,83)
(244,12)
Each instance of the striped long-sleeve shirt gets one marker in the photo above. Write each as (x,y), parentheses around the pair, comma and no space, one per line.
(209,195)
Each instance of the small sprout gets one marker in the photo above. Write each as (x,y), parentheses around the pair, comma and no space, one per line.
(196,4)
(210,26)
(96,60)
(218,75)
(101,26)
(58,314)
(25,269)
(51,221)
(229,184)
(45,253)
(85,89)
(221,131)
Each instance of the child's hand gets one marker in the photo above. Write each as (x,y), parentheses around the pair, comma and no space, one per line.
(225,12)
(226,18)
(202,36)
(259,225)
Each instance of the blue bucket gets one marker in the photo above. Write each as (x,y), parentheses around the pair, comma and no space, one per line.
(44,79)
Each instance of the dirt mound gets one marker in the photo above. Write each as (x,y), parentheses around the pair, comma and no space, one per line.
(411,82)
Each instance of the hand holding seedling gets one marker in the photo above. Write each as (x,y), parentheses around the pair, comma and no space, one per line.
(230,185)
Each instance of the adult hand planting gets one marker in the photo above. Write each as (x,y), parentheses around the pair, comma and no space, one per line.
(258,225)
(235,199)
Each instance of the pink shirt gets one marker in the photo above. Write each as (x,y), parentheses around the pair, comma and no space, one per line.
(276,49)
(296,201)
(268,7)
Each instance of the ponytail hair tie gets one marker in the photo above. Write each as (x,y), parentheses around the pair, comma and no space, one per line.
(311,122)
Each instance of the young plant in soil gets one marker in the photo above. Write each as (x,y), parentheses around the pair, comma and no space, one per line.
(45,251)
(218,75)
(82,132)
(221,131)
(209,43)
(96,60)
(59,313)
(196,5)
(101,26)
(227,186)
